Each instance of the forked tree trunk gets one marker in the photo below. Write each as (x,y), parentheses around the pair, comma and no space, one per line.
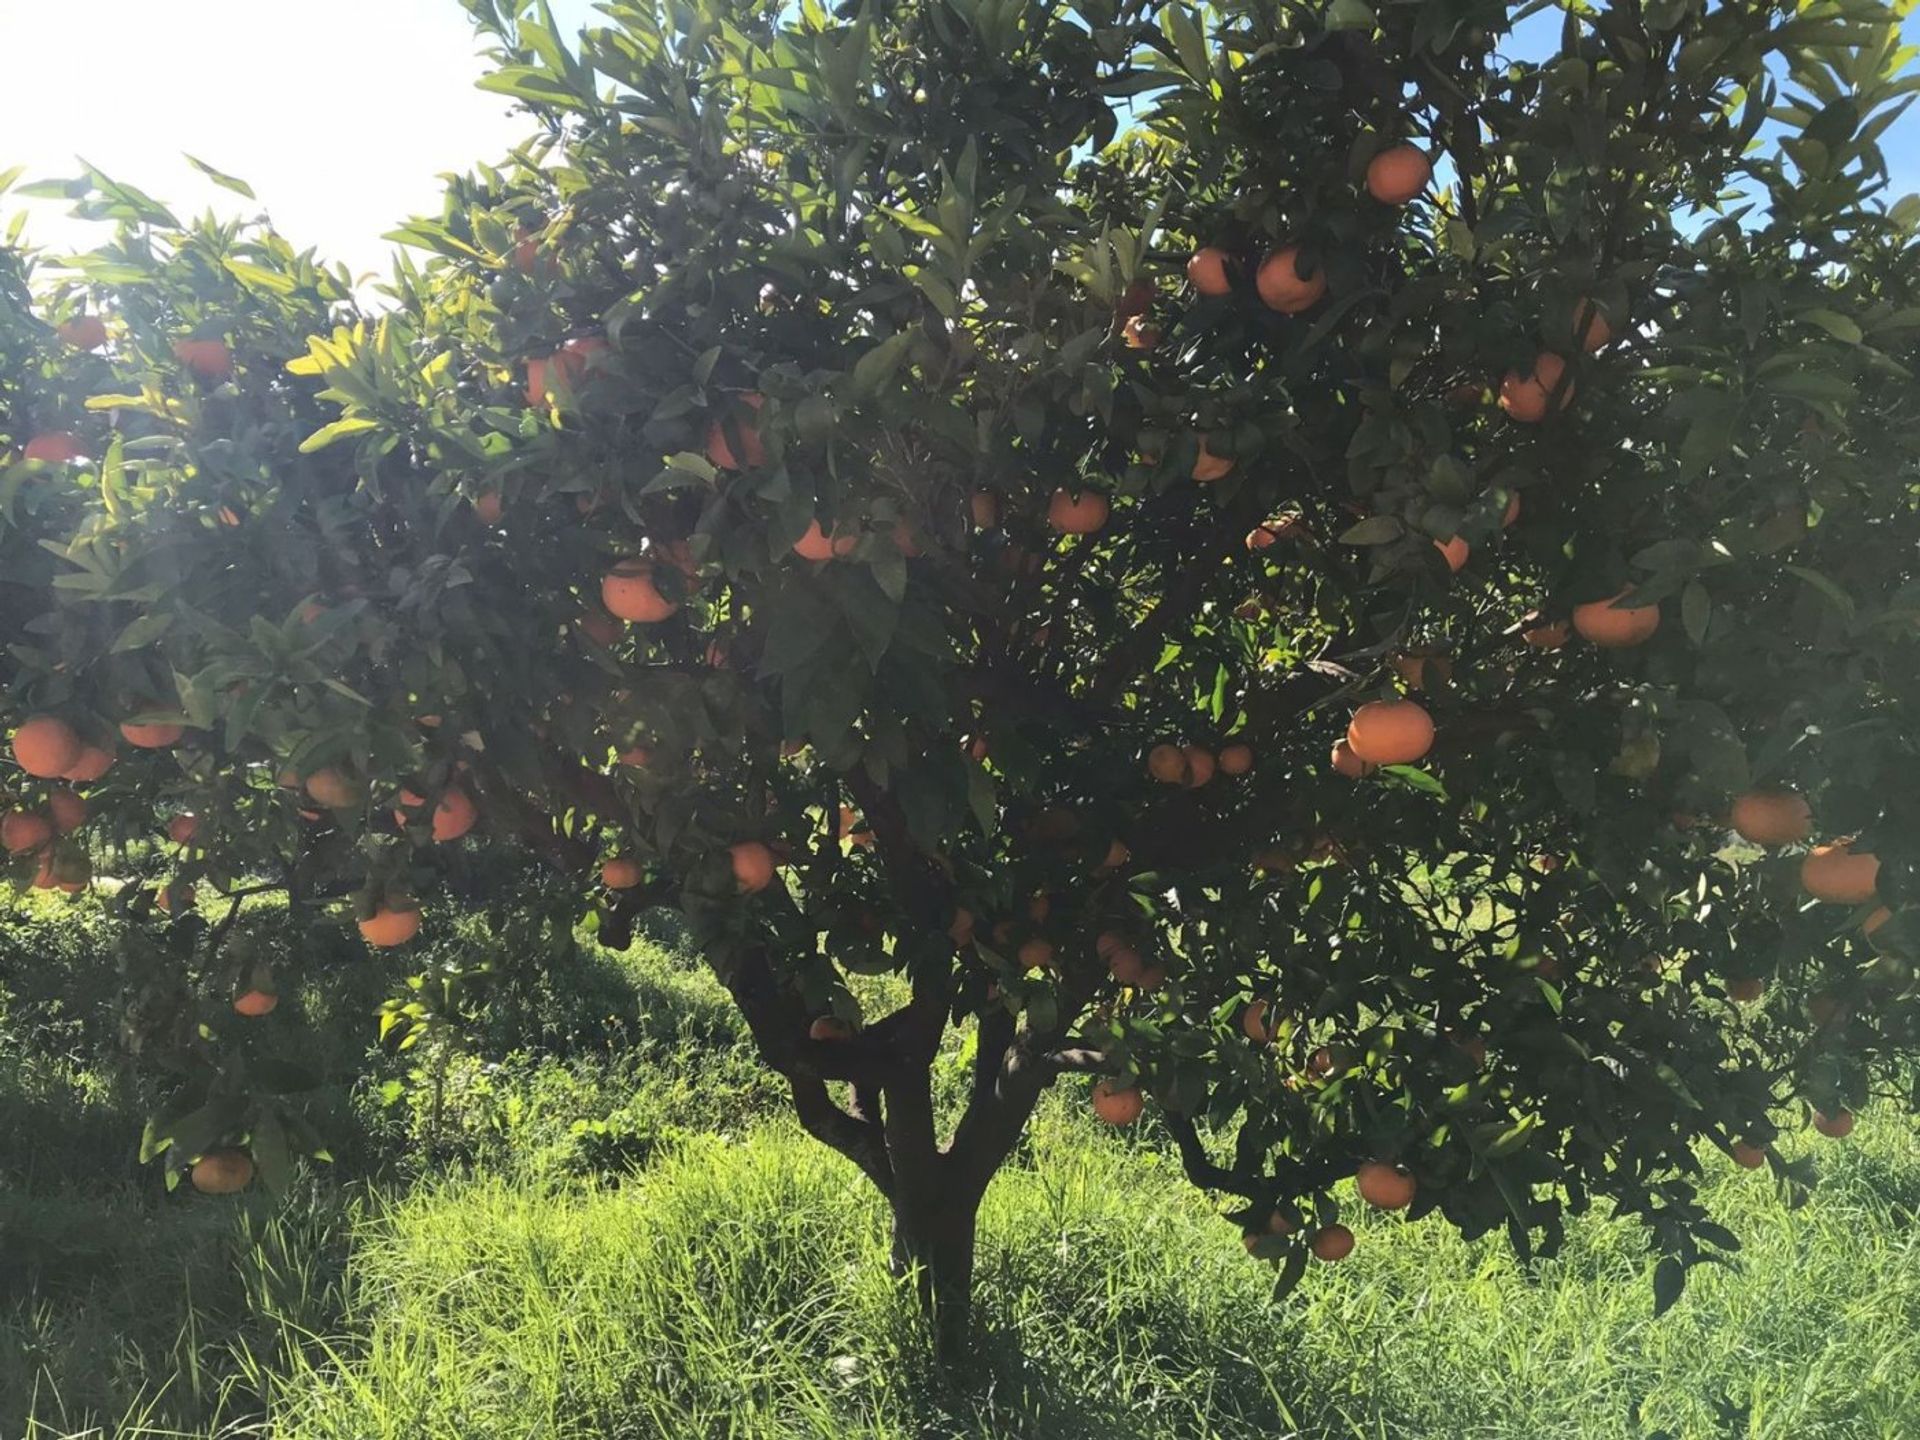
(933,1244)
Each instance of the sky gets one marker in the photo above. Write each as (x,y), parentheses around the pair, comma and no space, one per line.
(341,115)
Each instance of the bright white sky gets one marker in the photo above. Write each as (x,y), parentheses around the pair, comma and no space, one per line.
(340,115)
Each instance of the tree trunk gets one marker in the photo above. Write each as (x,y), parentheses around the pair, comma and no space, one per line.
(933,1242)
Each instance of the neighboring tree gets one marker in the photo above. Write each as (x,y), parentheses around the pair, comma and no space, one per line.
(1256,553)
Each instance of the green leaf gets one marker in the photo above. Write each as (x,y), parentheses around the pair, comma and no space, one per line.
(338,430)
(538,87)
(1696,610)
(1669,1281)
(1835,324)
(1842,601)
(1351,15)
(142,631)
(260,277)
(1374,530)
(220,178)
(983,797)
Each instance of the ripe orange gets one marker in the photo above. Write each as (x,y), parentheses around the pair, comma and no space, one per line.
(94,761)
(1747,1157)
(46,746)
(489,507)
(752,866)
(984,506)
(1200,765)
(453,817)
(1207,466)
(1607,625)
(1399,173)
(388,927)
(1346,763)
(569,364)
(815,544)
(638,757)
(1745,990)
(1590,327)
(905,539)
(55,447)
(1390,732)
(1207,271)
(1082,516)
(1414,669)
(1127,967)
(830,1028)
(599,627)
(621,873)
(1167,764)
(83,332)
(960,928)
(22,831)
(1333,1243)
(1140,333)
(628,592)
(1136,299)
(255,1003)
(1512,513)
(1773,817)
(1034,954)
(752,453)
(1455,551)
(1281,285)
(209,359)
(853,829)
(150,737)
(1526,397)
(1258,1023)
(1117,855)
(1836,1126)
(1117,1106)
(1236,759)
(332,789)
(1839,875)
(1385,1186)
(1544,634)
(1873,922)
(66,809)
(221,1172)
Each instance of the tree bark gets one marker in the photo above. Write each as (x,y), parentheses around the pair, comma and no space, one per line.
(933,1243)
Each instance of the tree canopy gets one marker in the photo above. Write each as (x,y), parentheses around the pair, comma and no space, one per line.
(1284,556)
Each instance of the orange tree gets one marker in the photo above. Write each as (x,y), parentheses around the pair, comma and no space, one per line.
(1280,557)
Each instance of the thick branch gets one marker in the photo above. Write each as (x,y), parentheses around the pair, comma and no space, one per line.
(856,1138)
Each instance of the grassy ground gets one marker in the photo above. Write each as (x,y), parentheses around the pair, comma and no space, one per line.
(626,1240)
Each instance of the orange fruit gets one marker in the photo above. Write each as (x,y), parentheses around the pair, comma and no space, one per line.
(752,454)
(1207,466)
(1167,764)
(960,928)
(332,789)
(1836,1126)
(830,1028)
(1398,174)
(150,737)
(1346,763)
(1116,1106)
(1082,516)
(221,1172)
(94,761)
(1873,922)
(1200,765)
(1590,327)
(1281,285)
(1543,634)
(1333,1243)
(1390,732)
(1207,271)
(209,359)
(1384,1186)
(1117,855)
(1512,513)
(984,506)
(1745,990)
(1140,333)
(22,831)
(1455,551)
(1127,967)
(55,447)
(1747,1157)
(46,746)
(1772,817)
(638,757)
(1605,624)
(1236,759)
(67,810)
(388,927)
(454,816)
(1527,397)
(489,507)
(752,866)
(83,332)
(1136,299)
(628,593)
(815,544)
(1839,875)
(1257,1022)
(570,364)
(255,1003)
(905,539)
(1414,669)
(600,627)
(1034,954)
(621,873)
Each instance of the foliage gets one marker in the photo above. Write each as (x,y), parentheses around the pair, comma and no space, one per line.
(788,336)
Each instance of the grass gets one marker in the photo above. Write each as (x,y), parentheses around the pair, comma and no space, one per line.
(625,1238)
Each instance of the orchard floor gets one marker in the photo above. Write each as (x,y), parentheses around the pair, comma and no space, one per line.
(604,1250)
